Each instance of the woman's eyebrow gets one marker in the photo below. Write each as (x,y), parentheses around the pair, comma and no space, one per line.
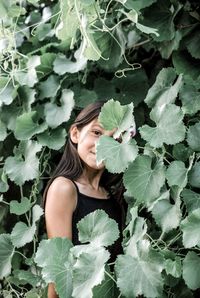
(97,125)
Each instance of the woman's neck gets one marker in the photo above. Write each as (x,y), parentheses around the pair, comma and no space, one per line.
(91,178)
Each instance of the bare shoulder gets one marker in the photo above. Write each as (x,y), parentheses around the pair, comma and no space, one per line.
(63,191)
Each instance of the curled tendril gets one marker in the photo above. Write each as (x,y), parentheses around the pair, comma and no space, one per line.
(121,72)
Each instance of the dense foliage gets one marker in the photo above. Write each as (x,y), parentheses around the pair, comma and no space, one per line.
(57,57)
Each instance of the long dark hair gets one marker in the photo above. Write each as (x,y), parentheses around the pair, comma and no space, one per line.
(71,166)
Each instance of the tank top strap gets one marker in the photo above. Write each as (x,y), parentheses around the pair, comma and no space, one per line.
(77,189)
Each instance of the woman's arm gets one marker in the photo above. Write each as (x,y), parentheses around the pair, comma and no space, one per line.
(60,203)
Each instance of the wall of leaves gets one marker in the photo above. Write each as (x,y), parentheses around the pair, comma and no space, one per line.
(56,58)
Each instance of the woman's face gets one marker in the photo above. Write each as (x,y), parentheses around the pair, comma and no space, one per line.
(86,139)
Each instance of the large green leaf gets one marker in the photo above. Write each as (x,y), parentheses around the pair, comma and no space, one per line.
(191,270)
(184,64)
(63,65)
(109,150)
(176,174)
(190,97)
(138,4)
(144,181)
(21,233)
(193,44)
(191,199)
(53,256)
(24,165)
(54,114)
(169,127)
(194,175)
(26,127)
(88,271)
(7,91)
(53,139)
(166,215)
(164,90)
(174,267)
(193,136)
(29,77)
(107,288)
(140,276)
(114,115)
(134,235)
(6,253)
(98,229)
(190,229)
(49,87)
(20,208)
(3,131)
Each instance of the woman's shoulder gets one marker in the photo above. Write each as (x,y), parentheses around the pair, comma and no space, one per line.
(62,187)
(61,184)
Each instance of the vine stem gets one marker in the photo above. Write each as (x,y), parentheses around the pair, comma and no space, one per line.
(110,276)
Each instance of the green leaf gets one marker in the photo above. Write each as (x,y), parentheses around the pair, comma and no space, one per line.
(83,96)
(162,19)
(56,115)
(174,267)
(191,199)
(24,165)
(184,64)
(128,88)
(88,271)
(3,131)
(140,276)
(193,137)
(26,127)
(53,139)
(167,47)
(6,253)
(114,115)
(169,127)
(164,90)
(193,44)
(20,208)
(144,181)
(190,97)
(138,4)
(23,234)
(69,21)
(63,65)
(111,48)
(147,29)
(49,87)
(109,150)
(191,270)
(166,215)
(28,78)
(190,229)
(98,229)
(27,277)
(107,288)
(58,267)
(28,96)
(176,174)
(46,64)
(194,175)
(134,235)
(7,91)
(181,152)
(3,182)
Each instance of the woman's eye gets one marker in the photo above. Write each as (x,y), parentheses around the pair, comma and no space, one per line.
(97,133)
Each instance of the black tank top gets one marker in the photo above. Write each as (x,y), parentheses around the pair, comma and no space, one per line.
(87,204)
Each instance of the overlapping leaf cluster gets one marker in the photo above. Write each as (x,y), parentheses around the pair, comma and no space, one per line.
(58,56)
